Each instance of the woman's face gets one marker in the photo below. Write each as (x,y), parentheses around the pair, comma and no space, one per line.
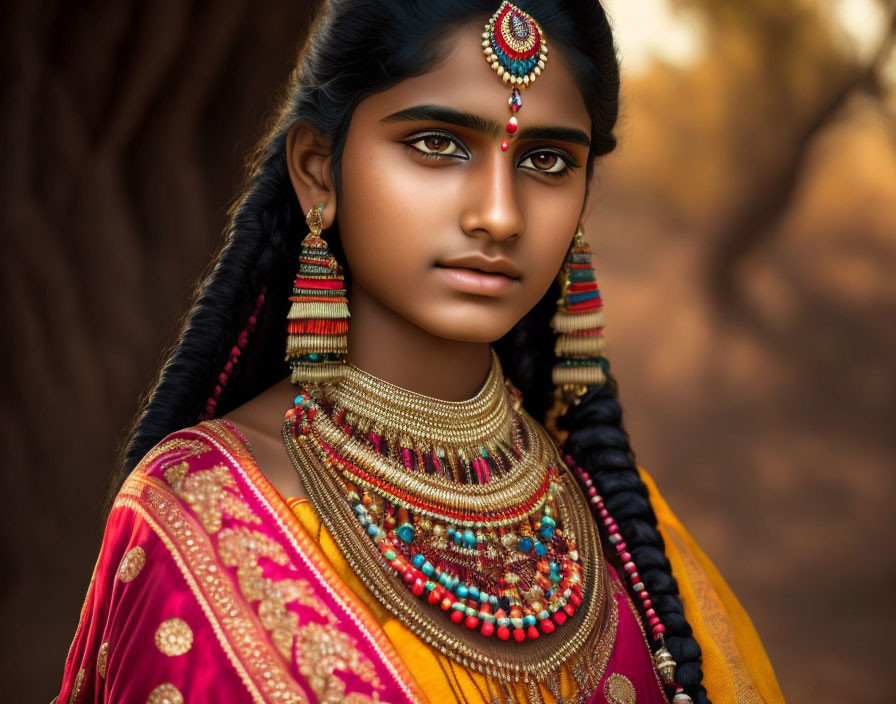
(429,198)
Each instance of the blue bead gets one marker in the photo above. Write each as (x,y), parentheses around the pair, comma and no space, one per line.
(555,577)
(406,532)
(373,529)
(529,620)
(428,569)
(474,593)
(419,559)
(546,532)
(461,591)
(525,544)
(540,549)
(299,399)
(313,356)
(470,538)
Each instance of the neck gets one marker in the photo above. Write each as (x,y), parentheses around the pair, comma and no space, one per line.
(387,345)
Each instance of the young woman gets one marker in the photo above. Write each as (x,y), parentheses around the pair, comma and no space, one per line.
(392,522)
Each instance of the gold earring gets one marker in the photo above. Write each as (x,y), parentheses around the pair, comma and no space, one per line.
(578,323)
(317,327)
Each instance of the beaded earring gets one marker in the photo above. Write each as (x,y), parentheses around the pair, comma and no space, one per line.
(579,325)
(316,342)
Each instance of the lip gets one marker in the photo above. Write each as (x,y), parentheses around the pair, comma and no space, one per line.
(482,264)
(475,281)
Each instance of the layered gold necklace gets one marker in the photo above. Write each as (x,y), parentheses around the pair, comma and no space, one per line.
(461,519)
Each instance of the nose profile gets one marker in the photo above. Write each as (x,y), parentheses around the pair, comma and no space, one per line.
(492,208)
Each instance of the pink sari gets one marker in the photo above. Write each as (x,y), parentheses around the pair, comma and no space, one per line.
(207,589)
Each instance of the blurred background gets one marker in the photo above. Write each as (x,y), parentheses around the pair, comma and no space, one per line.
(746,247)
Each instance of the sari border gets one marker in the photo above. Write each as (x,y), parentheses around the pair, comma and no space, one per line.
(226,439)
(137,501)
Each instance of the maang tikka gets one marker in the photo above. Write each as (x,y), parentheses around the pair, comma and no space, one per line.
(316,342)
(515,48)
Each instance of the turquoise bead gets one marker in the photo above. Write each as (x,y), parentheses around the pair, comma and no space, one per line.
(524,545)
(529,620)
(540,549)
(405,532)
(470,538)
(428,569)
(461,591)
(517,622)
(474,593)
(418,560)
(503,621)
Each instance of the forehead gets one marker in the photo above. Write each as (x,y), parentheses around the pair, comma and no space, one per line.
(465,81)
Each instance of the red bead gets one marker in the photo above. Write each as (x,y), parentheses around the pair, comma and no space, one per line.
(487,628)
(650,613)
(433,597)
(511,125)
(532,632)
(457,616)
(471,622)
(647,603)
(519,635)
(653,621)
(635,577)
(408,576)
(505,145)
(417,587)
(659,628)
(625,556)
(560,618)
(446,603)
(569,609)
(503,632)
(629,567)
(547,626)
(575,599)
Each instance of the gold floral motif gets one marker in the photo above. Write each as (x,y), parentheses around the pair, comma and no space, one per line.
(76,686)
(131,564)
(205,492)
(261,671)
(102,658)
(618,689)
(178,448)
(165,693)
(321,651)
(174,637)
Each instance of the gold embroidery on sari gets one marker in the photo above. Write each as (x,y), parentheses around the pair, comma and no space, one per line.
(102,658)
(231,619)
(618,689)
(131,564)
(174,637)
(77,686)
(210,494)
(321,651)
(714,616)
(205,493)
(165,693)
(179,448)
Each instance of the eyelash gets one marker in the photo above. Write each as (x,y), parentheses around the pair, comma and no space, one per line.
(569,161)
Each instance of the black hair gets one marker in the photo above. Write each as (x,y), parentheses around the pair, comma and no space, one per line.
(356,48)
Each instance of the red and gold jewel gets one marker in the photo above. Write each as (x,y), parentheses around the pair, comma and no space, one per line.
(514,46)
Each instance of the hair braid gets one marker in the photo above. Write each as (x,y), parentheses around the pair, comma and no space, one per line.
(600,445)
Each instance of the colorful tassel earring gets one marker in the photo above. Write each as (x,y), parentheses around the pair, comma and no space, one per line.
(578,323)
(316,342)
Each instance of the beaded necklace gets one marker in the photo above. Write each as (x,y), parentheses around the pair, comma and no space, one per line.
(464,522)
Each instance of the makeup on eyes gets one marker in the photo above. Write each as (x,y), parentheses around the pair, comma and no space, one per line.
(461,152)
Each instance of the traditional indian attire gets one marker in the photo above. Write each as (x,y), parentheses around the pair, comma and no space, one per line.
(211,586)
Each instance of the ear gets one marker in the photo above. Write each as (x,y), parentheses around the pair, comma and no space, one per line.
(308,159)
(590,198)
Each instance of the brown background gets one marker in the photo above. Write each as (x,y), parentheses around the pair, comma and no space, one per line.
(746,244)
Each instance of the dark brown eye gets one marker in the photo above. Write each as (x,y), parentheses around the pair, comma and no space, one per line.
(435,144)
(547,162)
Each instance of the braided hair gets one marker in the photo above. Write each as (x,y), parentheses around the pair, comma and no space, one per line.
(230,347)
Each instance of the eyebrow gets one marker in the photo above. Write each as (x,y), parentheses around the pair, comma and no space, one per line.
(441,113)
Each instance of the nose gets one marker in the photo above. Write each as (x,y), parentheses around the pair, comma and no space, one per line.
(492,208)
